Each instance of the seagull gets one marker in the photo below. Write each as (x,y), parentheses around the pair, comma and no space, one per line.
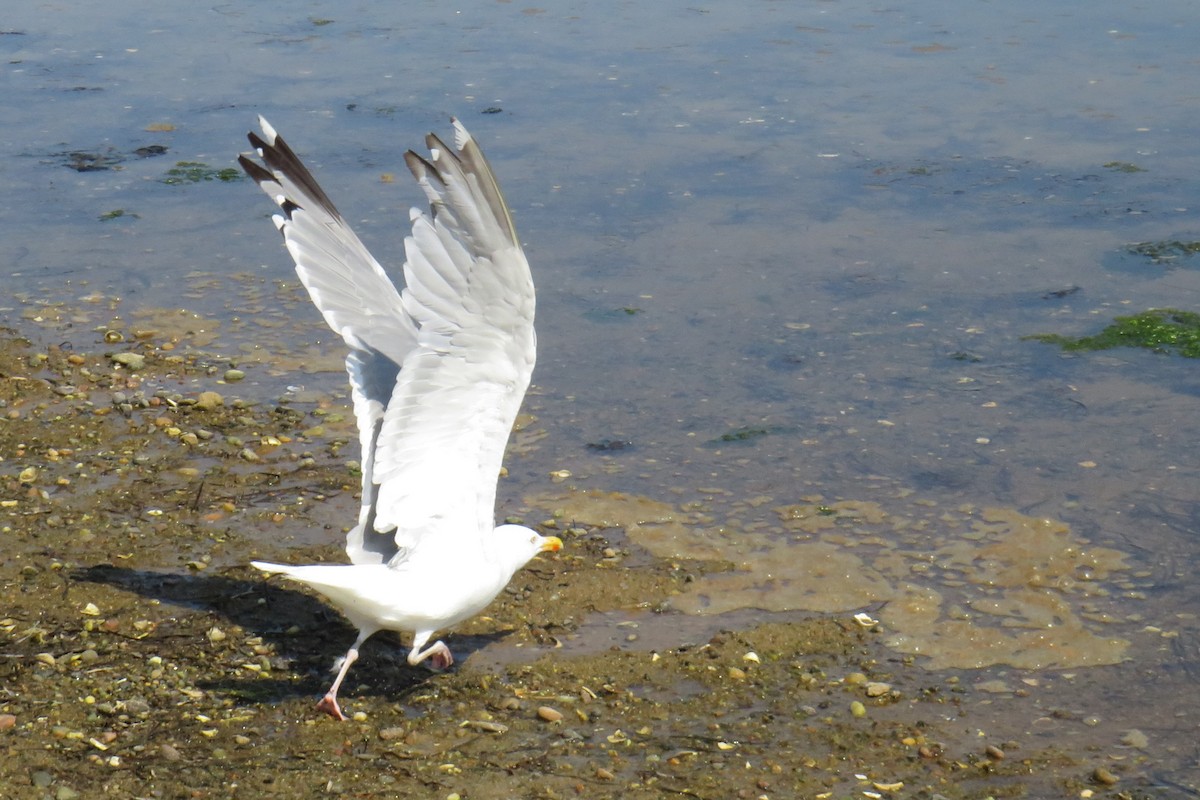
(437,373)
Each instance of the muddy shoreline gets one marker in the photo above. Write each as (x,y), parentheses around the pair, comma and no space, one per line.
(141,657)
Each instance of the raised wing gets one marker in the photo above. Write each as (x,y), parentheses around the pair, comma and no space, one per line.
(437,372)
(469,290)
(346,283)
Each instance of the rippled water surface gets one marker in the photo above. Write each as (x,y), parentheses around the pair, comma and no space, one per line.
(786,255)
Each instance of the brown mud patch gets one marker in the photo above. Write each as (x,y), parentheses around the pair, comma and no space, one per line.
(139,657)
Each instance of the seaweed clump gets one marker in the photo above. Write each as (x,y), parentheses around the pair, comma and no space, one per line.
(198,172)
(1163,330)
(1164,252)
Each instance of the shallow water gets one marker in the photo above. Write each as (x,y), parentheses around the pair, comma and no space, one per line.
(786,252)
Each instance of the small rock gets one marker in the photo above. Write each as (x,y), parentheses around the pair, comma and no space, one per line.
(169,752)
(65,793)
(7,721)
(485,725)
(549,714)
(994,753)
(387,734)
(857,709)
(233,375)
(137,705)
(878,689)
(1102,776)
(207,401)
(1135,738)
(133,361)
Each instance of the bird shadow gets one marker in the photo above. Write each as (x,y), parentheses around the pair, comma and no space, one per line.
(303,635)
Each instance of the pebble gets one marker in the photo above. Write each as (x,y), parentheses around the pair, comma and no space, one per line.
(878,689)
(857,709)
(133,361)
(207,401)
(65,793)
(137,705)
(1135,738)
(233,375)
(169,752)
(7,721)
(994,753)
(1103,776)
(549,714)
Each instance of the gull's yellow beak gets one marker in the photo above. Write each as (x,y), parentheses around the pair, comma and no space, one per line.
(552,544)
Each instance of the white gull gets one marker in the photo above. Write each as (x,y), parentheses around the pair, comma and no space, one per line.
(437,373)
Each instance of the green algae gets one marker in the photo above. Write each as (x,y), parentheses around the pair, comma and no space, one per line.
(199,172)
(744,434)
(1163,330)
(1123,166)
(1164,251)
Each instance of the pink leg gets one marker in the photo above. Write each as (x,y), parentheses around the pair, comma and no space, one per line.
(437,653)
(329,703)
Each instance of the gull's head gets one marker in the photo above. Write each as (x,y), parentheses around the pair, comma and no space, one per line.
(518,543)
